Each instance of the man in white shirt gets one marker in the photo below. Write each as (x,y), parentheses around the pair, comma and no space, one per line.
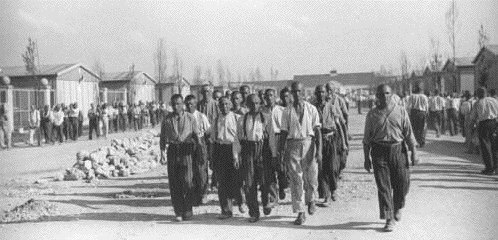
(254,142)
(200,162)
(34,125)
(74,113)
(436,109)
(485,115)
(301,131)
(419,109)
(454,105)
(46,120)
(223,136)
(58,120)
(466,110)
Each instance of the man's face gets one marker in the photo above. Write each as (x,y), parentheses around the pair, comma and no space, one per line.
(244,91)
(287,98)
(190,105)
(216,96)
(270,97)
(205,92)
(384,95)
(237,99)
(255,104)
(177,105)
(320,93)
(297,92)
(224,106)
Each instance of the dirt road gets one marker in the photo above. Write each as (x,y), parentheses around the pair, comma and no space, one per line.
(448,199)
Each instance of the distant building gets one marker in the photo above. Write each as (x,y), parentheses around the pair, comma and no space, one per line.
(486,67)
(165,90)
(463,78)
(132,87)
(66,83)
(348,83)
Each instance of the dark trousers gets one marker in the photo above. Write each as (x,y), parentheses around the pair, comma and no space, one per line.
(115,124)
(136,124)
(46,128)
(65,128)
(328,171)
(359,106)
(80,128)
(488,143)
(180,177)
(453,121)
(418,119)
(257,172)
(200,169)
(73,121)
(230,182)
(122,122)
(390,164)
(57,130)
(281,169)
(437,118)
(93,125)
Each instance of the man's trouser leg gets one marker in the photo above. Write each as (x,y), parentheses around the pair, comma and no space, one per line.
(31,140)
(201,171)
(452,121)
(418,124)
(225,171)
(252,169)
(58,131)
(180,177)
(392,177)
(303,173)
(92,126)
(3,136)
(269,194)
(488,144)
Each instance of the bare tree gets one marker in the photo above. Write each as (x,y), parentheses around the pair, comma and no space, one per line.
(208,75)
(178,69)
(273,74)
(239,77)
(132,86)
(258,75)
(436,61)
(229,77)
(405,68)
(221,72)
(31,60)
(451,25)
(196,78)
(161,61)
(98,68)
(483,37)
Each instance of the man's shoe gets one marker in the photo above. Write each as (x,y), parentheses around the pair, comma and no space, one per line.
(253,219)
(267,211)
(389,227)
(242,208)
(281,194)
(225,216)
(178,219)
(311,208)
(326,202)
(301,218)
(397,215)
(187,216)
(487,172)
(333,197)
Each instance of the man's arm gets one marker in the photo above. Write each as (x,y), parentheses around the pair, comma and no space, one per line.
(366,153)
(318,143)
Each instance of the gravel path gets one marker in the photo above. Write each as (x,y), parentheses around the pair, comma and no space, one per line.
(448,199)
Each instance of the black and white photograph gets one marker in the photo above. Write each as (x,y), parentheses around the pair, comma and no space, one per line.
(248,119)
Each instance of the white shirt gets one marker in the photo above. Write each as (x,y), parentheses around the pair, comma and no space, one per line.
(436,103)
(225,129)
(203,125)
(254,130)
(297,130)
(418,102)
(455,103)
(58,118)
(276,117)
(34,118)
(485,109)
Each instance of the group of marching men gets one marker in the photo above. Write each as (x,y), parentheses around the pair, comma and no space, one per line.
(255,141)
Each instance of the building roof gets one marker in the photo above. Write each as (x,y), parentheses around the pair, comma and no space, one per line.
(493,48)
(459,62)
(124,76)
(361,78)
(52,69)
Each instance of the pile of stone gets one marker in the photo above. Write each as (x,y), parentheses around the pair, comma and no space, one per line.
(32,210)
(124,157)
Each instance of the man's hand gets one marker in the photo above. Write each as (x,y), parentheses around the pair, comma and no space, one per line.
(367,164)
(415,160)
(236,163)
(163,157)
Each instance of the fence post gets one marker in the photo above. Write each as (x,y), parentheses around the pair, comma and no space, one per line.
(104,95)
(46,96)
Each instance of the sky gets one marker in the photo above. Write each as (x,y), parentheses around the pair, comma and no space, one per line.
(295,37)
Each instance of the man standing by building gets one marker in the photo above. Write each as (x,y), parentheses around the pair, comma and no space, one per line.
(179,131)
(34,125)
(46,123)
(453,116)
(200,162)
(485,115)
(436,108)
(387,130)
(254,151)
(93,122)
(223,137)
(5,129)
(73,121)
(301,129)
(331,119)
(468,125)
(419,107)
